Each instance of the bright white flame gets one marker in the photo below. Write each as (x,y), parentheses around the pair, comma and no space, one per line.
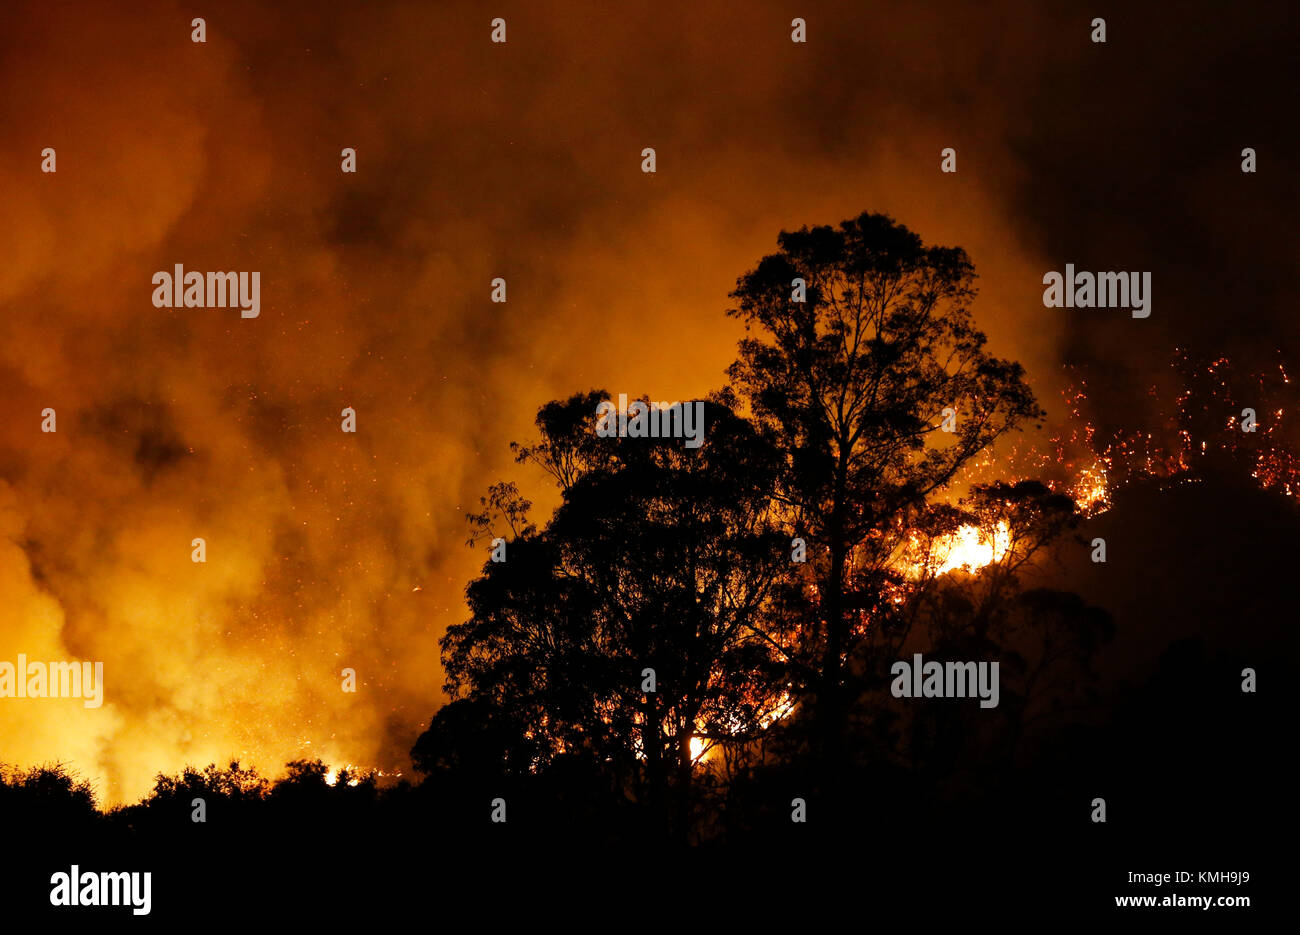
(969,547)
(697,748)
(332,777)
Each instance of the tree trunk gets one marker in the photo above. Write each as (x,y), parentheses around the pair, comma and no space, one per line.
(830,703)
(656,769)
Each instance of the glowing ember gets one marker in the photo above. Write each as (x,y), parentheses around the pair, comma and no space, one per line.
(1091,491)
(1201,428)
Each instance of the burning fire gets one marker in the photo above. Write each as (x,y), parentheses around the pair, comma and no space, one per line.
(702,749)
(1091,491)
(1201,426)
(355,774)
(1089,468)
(970,547)
(1200,429)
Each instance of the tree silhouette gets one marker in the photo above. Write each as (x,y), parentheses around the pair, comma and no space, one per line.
(46,799)
(850,386)
(660,557)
